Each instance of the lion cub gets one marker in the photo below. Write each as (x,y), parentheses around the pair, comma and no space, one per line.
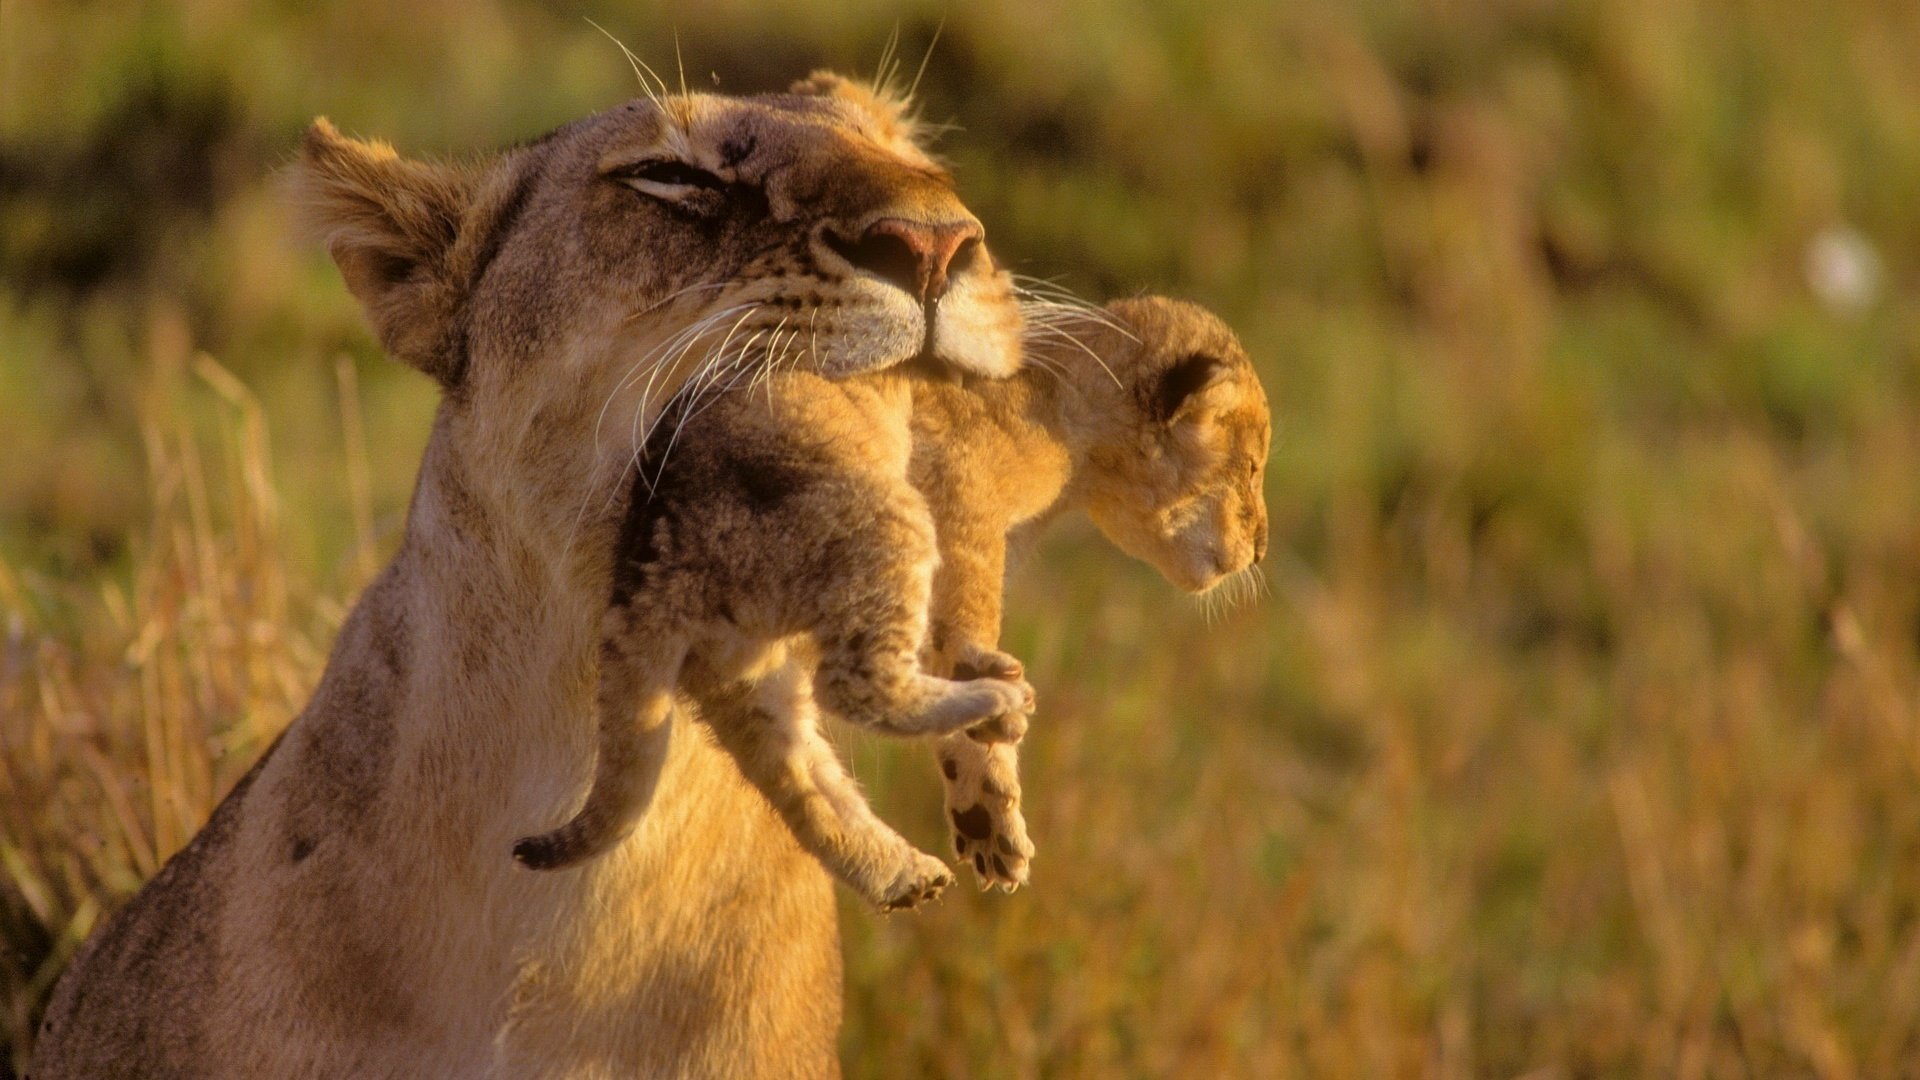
(1150,418)
(774,550)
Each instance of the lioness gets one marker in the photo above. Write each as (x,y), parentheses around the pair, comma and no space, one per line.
(348,910)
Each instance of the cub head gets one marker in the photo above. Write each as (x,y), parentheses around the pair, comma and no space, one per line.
(1179,453)
(559,289)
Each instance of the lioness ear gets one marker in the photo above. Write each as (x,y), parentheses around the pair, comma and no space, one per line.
(394,227)
(891,111)
(1185,388)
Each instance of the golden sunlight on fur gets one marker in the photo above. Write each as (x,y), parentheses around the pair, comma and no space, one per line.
(351,909)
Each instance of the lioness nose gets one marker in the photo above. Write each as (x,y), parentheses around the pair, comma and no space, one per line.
(1260,544)
(915,255)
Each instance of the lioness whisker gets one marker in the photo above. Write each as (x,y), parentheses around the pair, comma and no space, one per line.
(1051,367)
(881,70)
(775,353)
(1060,306)
(679,345)
(722,364)
(695,378)
(639,365)
(632,374)
(914,87)
(789,358)
(637,64)
(1050,332)
(643,429)
(672,296)
(1050,314)
(813,332)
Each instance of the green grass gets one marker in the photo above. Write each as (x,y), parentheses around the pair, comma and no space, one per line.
(1581,733)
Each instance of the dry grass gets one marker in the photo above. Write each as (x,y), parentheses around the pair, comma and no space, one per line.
(1580,736)
(123,728)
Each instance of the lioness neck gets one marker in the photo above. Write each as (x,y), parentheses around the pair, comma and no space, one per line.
(459,701)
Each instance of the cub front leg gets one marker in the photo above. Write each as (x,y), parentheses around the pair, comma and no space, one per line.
(872,678)
(871,626)
(982,776)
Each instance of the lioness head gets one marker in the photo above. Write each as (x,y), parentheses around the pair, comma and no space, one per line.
(1175,479)
(561,289)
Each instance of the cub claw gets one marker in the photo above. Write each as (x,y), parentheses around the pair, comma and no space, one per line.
(924,880)
(1008,727)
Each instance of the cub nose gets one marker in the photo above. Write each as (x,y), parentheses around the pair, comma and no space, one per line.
(918,256)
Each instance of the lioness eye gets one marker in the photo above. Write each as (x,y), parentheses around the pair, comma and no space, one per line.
(666,178)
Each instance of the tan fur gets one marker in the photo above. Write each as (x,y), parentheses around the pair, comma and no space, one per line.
(1152,420)
(1151,416)
(351,910)
(781,512)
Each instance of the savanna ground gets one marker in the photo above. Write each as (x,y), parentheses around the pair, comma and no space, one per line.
(1580,732)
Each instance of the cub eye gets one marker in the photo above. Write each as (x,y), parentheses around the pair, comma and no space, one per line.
(666,178)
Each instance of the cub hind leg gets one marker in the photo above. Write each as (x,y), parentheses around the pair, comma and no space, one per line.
(983,788)
(983,808)
(772,729)
(635,712)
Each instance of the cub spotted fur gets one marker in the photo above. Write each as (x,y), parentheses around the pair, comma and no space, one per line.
(1151,418)
(780,523)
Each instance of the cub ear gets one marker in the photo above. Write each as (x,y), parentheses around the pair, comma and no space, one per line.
(394,227)
(1186,388)
(892,111)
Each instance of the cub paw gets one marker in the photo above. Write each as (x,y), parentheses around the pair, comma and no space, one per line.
(990,710)
(920,880)
(989,832)
(1009,724)
(976,662)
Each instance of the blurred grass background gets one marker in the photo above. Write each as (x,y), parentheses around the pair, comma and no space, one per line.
(1579,736)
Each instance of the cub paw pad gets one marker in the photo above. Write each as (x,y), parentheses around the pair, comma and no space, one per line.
(995,842)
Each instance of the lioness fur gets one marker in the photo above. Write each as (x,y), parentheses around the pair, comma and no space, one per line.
(349,910)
